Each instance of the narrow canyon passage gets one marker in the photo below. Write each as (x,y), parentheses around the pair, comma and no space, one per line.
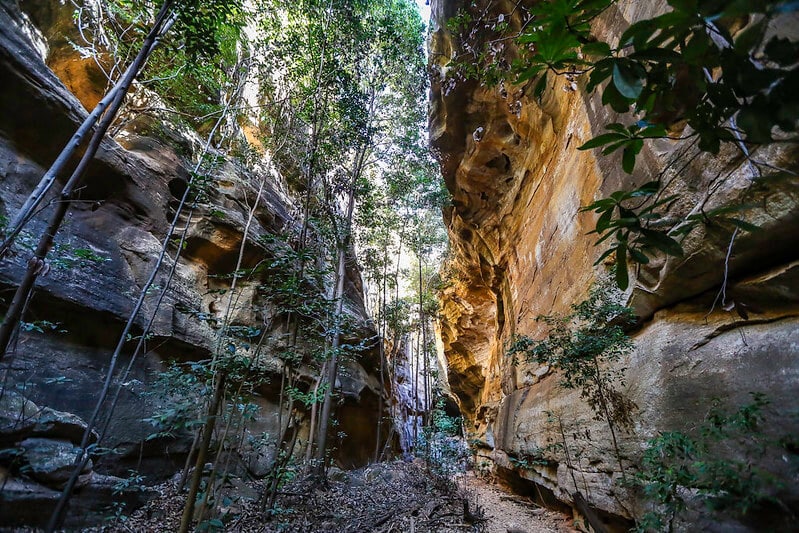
(397,265)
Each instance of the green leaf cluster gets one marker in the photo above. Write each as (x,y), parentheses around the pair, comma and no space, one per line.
(634,220)
(583,347)
(714,462)
(700,63)
(633,239)
(194,59)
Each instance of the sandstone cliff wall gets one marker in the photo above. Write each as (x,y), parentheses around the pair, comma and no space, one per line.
(521,250)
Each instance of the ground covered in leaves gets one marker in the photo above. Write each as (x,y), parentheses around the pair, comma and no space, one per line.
(386,497)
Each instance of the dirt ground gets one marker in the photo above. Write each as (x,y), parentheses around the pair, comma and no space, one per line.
(395,497)
(505,512)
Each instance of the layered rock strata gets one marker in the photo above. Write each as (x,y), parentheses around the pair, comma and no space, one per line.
(123,214)
(521,250)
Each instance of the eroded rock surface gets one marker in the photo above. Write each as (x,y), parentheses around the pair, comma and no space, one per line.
(521,250)
(123,214)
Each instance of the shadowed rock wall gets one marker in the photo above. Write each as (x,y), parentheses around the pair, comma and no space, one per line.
(123,213)
(521,250)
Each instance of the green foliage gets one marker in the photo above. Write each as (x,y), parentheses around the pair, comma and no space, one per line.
(447,425)
(531,460)
(684,66)
(688,64)
(308,398)
(288,288)
(40,326)
(398,317)
(628,227)
(440,444)
(714,463)
(178,391)
(193,60)
(204,26)
(67,257)
(330,69)
(133,482)
(632,222)
(583,346)
(630,139)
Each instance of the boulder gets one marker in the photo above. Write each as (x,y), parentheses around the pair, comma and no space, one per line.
(21,418)
(51,461)
(61,425)
(27,503)
(18,417)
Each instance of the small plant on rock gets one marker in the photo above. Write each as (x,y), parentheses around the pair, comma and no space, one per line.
(713,464)
(584,346)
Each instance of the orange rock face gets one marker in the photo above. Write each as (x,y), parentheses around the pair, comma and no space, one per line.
(521,250)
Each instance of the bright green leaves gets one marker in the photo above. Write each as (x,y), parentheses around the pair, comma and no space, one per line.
(629,139)
(557,38)
(190,67)
(695,71)
(572,15)
(683,65)
(633,222)
(714,72)
(555,50)
(201,23)
(582,346)
(706,463)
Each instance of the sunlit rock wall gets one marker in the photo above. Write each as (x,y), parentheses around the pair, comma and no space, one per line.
(521,250)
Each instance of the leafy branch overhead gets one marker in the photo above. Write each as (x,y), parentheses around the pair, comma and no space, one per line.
(637,230)
(628,226)
(700,63)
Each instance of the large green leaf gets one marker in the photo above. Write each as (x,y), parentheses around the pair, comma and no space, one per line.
(628,80)
(661,241)
(622,276)
(601,140)
(628,160)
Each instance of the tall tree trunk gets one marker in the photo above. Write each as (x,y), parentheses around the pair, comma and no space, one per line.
(338,296)
(382,330)
(332,368)
(82,458)
(208,429)
(314,412)
(423,351)
(415,374)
